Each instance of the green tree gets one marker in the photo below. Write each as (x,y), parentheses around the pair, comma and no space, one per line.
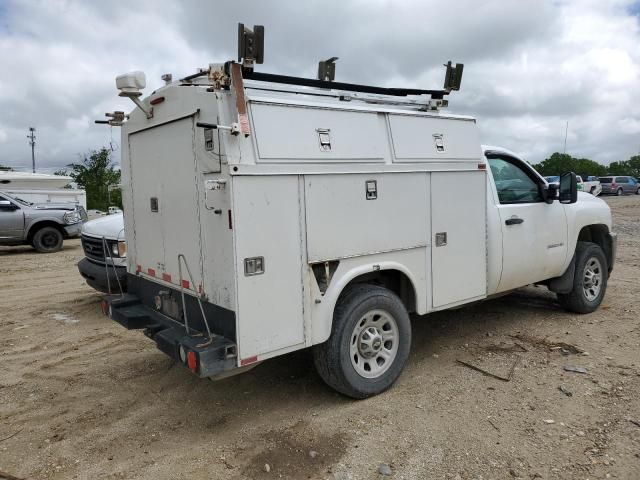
(4,167)
(559,163)
(628,167)
(95,174)
(556,164)
(634,166)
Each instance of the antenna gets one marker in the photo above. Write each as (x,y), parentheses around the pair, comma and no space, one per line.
(32,142)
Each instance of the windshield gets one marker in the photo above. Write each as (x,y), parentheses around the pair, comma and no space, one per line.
(605,179)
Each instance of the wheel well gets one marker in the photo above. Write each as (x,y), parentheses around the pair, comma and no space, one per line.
(44,223)
(395,280)
(598,234)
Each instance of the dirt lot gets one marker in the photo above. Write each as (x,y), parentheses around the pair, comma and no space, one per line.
(80,397)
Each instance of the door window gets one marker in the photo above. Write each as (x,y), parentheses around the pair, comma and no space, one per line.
(513,184)
(621,179)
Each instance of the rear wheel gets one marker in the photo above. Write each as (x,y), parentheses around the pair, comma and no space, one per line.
(369,343)
(619,192)
(47,240)
(589,281)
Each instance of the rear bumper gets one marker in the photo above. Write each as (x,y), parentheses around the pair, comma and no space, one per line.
(100,278)
(204,357)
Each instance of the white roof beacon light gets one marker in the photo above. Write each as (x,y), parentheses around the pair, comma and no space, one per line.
(130,85)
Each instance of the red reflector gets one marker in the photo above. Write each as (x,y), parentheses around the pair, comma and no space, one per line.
(230,222)
(482,166)
(166,277)
(247,361)
(151,272)
(104,306)
(185,283)
(192,361)
(156,100)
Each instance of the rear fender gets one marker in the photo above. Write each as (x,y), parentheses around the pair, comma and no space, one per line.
(322,317)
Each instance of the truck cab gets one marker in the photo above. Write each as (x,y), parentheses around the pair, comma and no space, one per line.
(536,235)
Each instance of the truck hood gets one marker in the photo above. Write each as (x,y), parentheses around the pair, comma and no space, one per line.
(590,210)
(110,227)
(54,206)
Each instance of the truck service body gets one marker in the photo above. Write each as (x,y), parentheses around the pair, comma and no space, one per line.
(261,217)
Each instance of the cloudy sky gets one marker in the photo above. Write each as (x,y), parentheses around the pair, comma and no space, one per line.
(530,65)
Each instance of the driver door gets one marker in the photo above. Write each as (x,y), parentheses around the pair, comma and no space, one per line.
(11,221)
(534,233)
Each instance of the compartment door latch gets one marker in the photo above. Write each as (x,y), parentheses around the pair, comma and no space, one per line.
(441,239)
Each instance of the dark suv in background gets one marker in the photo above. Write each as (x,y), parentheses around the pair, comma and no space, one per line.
(619,185)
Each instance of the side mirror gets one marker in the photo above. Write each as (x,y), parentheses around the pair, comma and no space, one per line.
(551,193)
(6,205)
(568,188)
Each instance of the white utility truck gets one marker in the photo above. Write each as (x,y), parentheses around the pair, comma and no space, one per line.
(267,213)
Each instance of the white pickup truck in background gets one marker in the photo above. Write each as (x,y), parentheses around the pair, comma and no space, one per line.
(267,213)
(589,184)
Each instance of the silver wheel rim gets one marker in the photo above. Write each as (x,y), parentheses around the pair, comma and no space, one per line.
(592,279)
(374,343)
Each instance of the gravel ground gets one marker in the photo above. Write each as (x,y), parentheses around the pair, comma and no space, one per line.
(80,397)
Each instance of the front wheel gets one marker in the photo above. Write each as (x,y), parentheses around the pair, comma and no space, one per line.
(589,280)
(47,240)
(369,343)
(638,191)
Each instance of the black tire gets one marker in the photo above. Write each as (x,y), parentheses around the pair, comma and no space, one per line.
(333,358)
(47,240)
(619,192)
(578,300)
(638,191)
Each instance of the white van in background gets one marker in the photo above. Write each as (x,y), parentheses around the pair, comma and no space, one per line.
(105,269)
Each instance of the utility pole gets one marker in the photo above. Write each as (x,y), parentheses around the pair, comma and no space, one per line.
(566,129)
(32,142)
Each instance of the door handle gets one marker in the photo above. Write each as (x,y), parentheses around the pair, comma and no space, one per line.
(514,221)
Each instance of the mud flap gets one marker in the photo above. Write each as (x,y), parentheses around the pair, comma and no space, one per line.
(564,283)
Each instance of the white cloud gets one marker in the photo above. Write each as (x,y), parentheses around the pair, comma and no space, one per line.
(530,65)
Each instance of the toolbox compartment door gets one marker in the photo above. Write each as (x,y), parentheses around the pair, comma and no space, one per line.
(166,213)
(267,225)
(291,134)
(458,236)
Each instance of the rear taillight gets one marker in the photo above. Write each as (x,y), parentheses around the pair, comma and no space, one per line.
(614,185)
(192,361)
